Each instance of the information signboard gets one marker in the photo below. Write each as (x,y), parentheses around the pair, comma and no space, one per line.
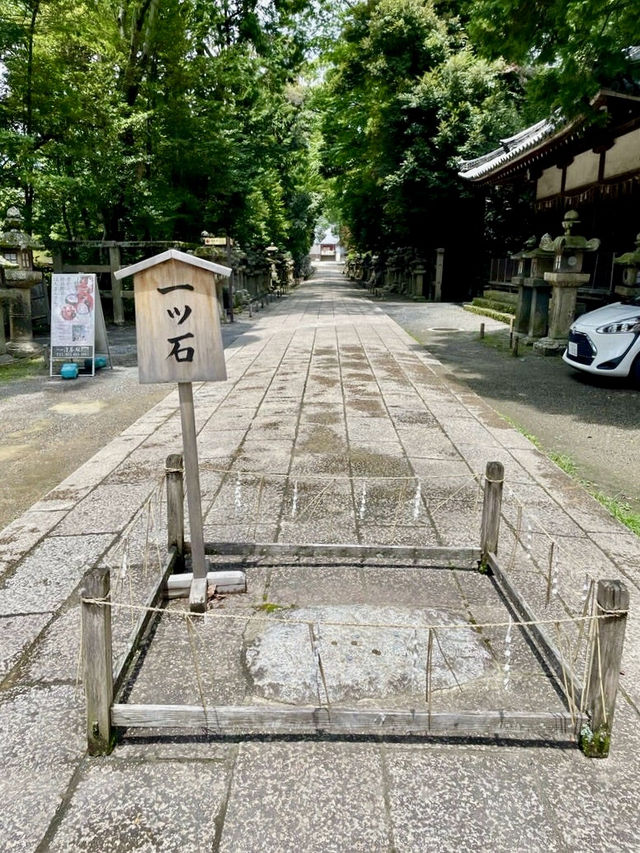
(73,316)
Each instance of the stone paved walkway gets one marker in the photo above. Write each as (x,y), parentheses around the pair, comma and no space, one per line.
(333,426)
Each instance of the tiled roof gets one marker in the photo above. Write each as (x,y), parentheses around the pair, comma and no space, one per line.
(518,146)
(511,148)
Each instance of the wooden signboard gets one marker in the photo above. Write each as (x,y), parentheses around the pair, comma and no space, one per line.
(218,241)
(177,318)
(180,340)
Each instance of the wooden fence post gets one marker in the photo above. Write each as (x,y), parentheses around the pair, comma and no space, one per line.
(612,603)
(97,660)
(174,469)
(116,284)
(491,508)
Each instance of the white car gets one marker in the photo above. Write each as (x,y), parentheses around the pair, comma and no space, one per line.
(607,341)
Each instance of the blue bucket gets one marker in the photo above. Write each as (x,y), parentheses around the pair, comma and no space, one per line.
(69,370)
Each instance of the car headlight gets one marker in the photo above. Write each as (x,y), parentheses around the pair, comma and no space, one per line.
(631,324)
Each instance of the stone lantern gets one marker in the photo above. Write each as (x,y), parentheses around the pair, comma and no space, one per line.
(391,272)
(17,248)
(289,270)
(630,262)
(243,264)
(272,251)
(418,272)
(523,309)
(532,312)
(565,279)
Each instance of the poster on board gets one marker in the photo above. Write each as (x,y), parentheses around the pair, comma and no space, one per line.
(73,315)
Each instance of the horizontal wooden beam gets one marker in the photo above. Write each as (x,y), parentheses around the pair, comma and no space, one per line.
(80,267)
(292,719)
(435,557)
(541,641)
(154,599)
(106,244)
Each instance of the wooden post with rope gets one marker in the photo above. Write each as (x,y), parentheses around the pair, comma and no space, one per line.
(97,659)
(612,604)
(174,470)
(172,289)
(491,509)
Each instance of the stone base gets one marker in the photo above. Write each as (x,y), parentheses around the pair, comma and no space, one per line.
(550,346)
(24,349)
(627,292)
(5,358)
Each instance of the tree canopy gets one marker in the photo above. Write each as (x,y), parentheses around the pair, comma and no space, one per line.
(139,119)
(404,97)
(567,48)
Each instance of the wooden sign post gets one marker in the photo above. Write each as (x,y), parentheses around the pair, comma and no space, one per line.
(180,340)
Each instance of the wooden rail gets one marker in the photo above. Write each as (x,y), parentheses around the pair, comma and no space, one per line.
(466,557)
(338,720)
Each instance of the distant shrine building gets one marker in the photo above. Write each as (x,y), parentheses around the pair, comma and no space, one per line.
(591,168)
(328,249)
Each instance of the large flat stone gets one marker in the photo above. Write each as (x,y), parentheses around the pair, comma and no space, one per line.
(107,509)
(467,800)
(42,727)
(16,634)
(30,800)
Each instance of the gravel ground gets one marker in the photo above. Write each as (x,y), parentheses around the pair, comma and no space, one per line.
(50,426)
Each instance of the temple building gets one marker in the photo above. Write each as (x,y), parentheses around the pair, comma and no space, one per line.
(328,248)
(590,167)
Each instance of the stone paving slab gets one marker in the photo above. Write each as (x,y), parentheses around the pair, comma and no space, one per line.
(322,384)
(320,798)
(125,805)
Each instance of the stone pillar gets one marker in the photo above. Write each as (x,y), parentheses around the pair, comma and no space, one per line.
(4,356)
(523,306)
(630,263)
(6,296)
(539,310)
(418,281)
(21,343)
(539,294)
(563,310)
(439,275)
(20,277)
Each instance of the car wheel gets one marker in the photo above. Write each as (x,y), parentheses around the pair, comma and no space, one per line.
(634,373)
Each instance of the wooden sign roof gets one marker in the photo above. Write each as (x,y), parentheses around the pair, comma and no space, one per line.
(173,254)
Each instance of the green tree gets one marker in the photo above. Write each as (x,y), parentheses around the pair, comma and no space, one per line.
(569,48)
(403,99)
(140,119)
